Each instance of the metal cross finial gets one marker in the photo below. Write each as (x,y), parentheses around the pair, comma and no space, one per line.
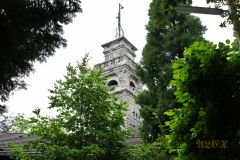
(120,32)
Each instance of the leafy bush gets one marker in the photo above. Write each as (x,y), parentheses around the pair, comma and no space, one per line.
(208,87)
(147,151)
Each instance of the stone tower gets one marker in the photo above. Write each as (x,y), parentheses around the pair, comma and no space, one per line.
(119,67)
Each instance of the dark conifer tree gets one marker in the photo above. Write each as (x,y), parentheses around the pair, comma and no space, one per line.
(169,33)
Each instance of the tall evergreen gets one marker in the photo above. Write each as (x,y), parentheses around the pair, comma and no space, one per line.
(169,33)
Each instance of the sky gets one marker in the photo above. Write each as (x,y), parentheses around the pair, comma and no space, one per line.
(90,29)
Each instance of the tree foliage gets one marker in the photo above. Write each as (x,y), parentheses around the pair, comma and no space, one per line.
(30,31)
(206,126)
(89,123)
(145,151)
(168,34)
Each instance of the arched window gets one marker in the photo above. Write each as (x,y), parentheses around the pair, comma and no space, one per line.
(112,83)
(132,84)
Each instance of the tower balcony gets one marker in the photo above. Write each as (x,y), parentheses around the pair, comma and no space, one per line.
(121,60)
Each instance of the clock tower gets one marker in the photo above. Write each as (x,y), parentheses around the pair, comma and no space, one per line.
(118,67)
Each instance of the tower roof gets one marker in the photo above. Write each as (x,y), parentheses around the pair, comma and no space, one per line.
(118,40)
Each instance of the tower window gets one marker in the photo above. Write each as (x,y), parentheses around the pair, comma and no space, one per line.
(107,57)
(106,64)
(112,83)
(119,59)
(132,84)
(112,61)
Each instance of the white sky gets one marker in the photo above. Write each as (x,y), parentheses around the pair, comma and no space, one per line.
(89,30)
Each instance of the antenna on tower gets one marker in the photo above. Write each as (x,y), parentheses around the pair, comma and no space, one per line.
(120,32)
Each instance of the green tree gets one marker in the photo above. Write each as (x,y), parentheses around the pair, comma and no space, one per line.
(206,126)
(146,151)
(30,31)
(168,34)
(88,125)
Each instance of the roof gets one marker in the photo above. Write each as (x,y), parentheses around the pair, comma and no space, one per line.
(19,138)
(134,140)
(119,39)
(9,138)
